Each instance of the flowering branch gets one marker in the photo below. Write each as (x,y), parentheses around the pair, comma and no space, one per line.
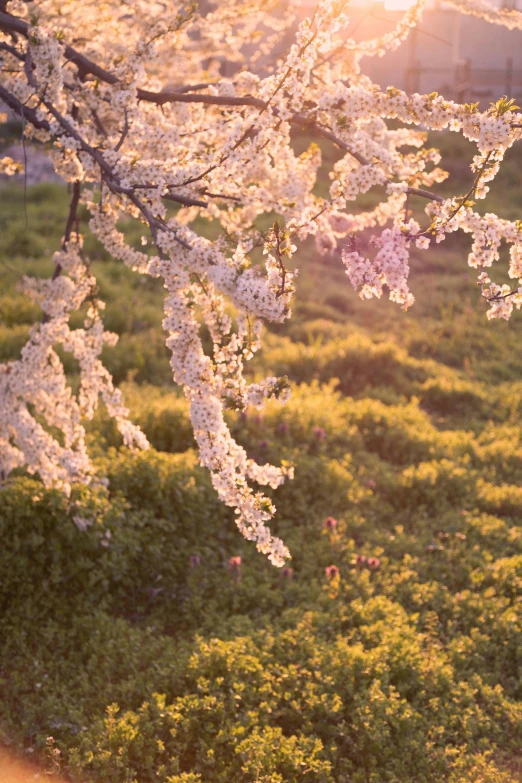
(129,145)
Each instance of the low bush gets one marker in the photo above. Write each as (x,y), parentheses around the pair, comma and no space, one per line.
(142,633)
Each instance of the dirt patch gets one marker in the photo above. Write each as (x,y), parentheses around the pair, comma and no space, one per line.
(13,769)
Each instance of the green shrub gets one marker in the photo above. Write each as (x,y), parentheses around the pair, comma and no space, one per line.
(388,650)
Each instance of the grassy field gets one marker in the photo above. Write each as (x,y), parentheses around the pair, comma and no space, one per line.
(146,664)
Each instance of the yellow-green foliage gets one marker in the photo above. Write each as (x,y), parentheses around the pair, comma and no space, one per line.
(149,660)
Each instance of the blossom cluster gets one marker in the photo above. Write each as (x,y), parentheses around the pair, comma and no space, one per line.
(34,389)
(101,85)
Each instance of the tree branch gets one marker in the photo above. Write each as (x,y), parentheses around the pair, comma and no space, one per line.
(220,195)
(24,111)
(12,50)
(86,66)
(498,297)
(11,24)
(169,96)
(425,194)
(124,132)
(185,200)
(182,95)
(71,220)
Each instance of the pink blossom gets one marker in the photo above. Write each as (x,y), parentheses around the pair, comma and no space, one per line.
(330,523)
(332,572)
(234,563)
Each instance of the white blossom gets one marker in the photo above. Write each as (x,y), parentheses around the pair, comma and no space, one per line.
(129,99)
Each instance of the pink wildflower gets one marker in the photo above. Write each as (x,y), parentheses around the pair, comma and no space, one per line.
(331,572)
(330,523)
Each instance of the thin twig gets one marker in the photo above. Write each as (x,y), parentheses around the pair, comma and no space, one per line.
(497,297)
(12,50)
(72,218)
(184,200)
(124,132)
(220,195)
(99,124)
(279,258)
(424,194)
(22,110)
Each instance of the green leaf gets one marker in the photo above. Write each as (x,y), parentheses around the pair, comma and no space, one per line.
(503,105)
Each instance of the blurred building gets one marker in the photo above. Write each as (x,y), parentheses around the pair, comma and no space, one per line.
(460,56)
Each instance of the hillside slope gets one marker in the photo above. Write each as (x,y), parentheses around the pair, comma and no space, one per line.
(153,644)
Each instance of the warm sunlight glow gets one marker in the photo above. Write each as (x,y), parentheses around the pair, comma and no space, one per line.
(15,770)
(397,5)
